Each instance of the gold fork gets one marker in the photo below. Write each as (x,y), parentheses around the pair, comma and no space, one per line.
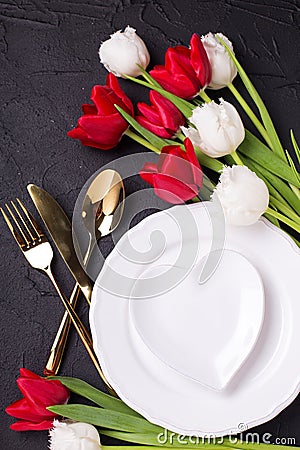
(38,252)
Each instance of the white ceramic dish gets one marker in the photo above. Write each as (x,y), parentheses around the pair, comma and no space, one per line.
(270,377)
(204,331)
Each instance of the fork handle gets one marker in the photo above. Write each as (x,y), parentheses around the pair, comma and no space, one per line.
(80,328)
(59,344)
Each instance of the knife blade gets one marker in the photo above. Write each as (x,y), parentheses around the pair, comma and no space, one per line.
(60,229)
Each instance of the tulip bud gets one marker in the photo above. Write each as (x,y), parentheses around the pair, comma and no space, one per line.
(122,52)
(177,177)
(38,393)
(223,68)
(218,130)
(101,125)
(161,118)
(186,70)
(70,435)
(243,195)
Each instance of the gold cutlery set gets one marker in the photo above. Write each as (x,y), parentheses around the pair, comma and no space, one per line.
(102,209)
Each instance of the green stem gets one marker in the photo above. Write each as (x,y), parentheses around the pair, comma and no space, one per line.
(236,158)
(284,219)
(285,209)
(294,239)
(141,141)
(243,445)
(181,136)
(183,446)
(265,116)
(250,114)
(204,96)
(146,78)
(295,190)
(273,220)
(206,161)
(130,447)
(197,102)
(183,105)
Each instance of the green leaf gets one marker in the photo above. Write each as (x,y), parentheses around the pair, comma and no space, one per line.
(295,145)
(148,77)
(154,140)
(256,446)
(198,102)
(294,239)
(105,418)
(185,107)
(280,206)
(207,161)
(173,440)
(133,447)
(141,140)
(256,122)
(272,219)
(278,185)
(268,160)
(96,396)
(138,438)
(283,218)
(291,163)
(267,121)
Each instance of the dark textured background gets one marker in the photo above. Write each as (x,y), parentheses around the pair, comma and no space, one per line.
(49,63)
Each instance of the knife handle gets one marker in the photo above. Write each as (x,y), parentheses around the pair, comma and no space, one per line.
(59,344)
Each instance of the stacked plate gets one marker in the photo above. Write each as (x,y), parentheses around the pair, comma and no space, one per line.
(200,357)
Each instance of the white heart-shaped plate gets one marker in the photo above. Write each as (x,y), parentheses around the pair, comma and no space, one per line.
(204,331)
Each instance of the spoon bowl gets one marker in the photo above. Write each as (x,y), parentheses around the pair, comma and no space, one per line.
(103,204)
(99,212)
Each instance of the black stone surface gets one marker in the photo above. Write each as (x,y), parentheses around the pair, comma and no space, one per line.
(49,62)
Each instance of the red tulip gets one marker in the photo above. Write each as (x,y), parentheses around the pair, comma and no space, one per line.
(186,70)
(102,126)
(39,393)
(177,176)
(162,117)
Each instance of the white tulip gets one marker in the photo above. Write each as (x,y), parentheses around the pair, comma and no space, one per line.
(122,52)
(70,435)
(223,68)
(243,195)
(218,130)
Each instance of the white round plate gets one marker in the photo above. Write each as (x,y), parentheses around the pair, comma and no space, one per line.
(204,331)
(269,379)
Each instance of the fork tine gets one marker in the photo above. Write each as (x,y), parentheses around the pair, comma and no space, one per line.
(32,221)
(20,240)
(23,222)
(23,235)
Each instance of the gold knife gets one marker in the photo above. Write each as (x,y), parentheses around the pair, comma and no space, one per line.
(60,229)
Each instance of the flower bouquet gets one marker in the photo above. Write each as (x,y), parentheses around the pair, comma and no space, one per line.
(180,108)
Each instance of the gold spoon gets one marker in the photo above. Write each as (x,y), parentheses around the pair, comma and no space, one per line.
(102,207)
(102,210)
